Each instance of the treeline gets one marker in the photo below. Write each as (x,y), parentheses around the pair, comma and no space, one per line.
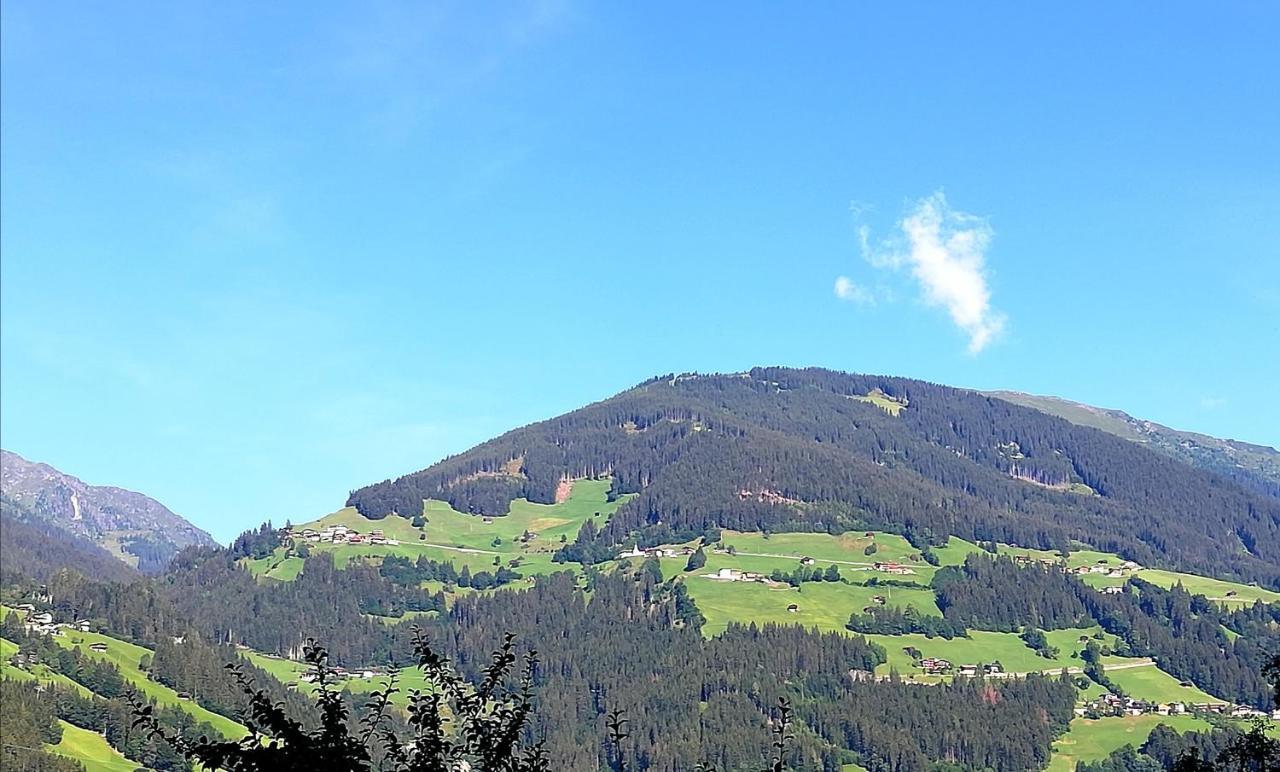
(995,593)
(224,603)
(699,448)
(257,544)
(895,620)
(883,723)
(30,721)
(408,573)
(806,574)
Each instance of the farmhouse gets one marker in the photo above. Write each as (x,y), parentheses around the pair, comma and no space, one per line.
(98,647)
(893,568)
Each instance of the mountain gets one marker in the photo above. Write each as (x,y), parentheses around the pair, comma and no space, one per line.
(36,548)
(1257,466)
(136,529)
(779,449)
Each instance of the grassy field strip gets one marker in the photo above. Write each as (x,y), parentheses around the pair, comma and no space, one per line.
(91,750)
(126,656)
(1094,739)
(290,671)
(793,557)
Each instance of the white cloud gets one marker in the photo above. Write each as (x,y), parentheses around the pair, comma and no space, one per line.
(1212,403)
(846,290)
(945,251)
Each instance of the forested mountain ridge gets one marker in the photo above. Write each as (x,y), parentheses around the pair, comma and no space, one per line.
(1257,466)
(31,546)
(778,449)
(133,527)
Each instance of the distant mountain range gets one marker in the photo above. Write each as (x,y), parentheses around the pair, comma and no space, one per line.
(41,504)
(1255,465)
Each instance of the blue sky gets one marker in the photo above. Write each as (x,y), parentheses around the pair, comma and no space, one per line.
(256,257)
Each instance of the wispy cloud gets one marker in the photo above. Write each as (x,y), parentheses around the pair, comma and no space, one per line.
(945,251)
(846,290)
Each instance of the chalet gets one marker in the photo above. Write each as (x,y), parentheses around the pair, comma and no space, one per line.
(934,665)
(634,552)
(793,608)
(993,669)
(98,647)
(1022,560)
(1130,565)
(1114,590)
(487,520)
(687,551)
(879,600)
(82,625)
(968,670)
(729,574)
(184,695)
(178,640)
(354,538)
(1115,573)
(44,618)
(27,607)
(1081,570)
(807,561)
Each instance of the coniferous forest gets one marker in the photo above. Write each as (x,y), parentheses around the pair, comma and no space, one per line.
(773,451)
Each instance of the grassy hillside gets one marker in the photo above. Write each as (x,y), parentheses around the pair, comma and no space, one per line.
(126,657)
(1095,739)
(780,449)
(91,750)
(459,538)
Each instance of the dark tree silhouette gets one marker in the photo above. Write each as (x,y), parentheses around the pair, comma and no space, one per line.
(454,725)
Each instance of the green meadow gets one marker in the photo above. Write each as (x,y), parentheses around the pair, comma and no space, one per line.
(1095,739)
(460,538)
(1153,684)
(981,648)
(91,750)
(290,671)
(126,657)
